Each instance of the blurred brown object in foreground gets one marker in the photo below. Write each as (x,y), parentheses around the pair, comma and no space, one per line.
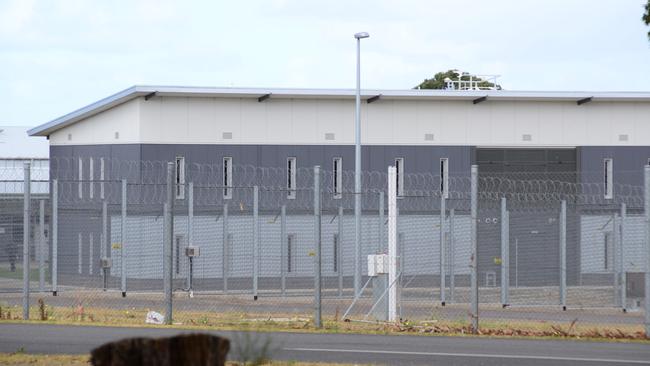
(180,350)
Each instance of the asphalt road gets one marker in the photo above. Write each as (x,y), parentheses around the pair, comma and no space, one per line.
(350,348)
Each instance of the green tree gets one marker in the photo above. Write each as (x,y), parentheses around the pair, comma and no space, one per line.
(646,16)
(438,80)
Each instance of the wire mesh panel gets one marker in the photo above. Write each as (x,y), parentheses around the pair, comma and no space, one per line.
(11,243)
(552,247)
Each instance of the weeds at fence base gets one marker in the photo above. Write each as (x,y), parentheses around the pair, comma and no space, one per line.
(83,315)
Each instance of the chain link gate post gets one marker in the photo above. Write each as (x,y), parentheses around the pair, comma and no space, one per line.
(622,279)
(168,244)
(452,257)
(615,267)
(27,180)
(190,241)
(563,254)
(103,242)
(123,238)
(79,253)
(393,267)
(41,246)
(442,249)
(256,240)
(380,245)
(646,211)
(317,251)
(505,254)
(283,245)
(474,242)
(54,233)
(339,253)
(224,250)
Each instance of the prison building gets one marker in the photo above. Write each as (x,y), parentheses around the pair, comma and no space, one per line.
(221,137)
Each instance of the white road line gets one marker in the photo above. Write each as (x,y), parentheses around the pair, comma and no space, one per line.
(476,355)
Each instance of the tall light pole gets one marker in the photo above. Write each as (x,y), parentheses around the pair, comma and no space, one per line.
(357,170)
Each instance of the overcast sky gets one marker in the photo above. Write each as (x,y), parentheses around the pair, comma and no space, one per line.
(57,56)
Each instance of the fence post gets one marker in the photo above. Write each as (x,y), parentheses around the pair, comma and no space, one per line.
(646,211)
(27,180)
(91,244)
(563,254)
(41,247)
(190,219)
(380,245)
(104,240)
(474,242)
(339,251)
(123,238)
(443,258)
(393,245)
(357,234)
(168,244)
(505,253)
(623,280)
(615,246)
(224,250)
(317,251)
(283,244)
(55,235)
(80,253)
(451,255)
(256,242)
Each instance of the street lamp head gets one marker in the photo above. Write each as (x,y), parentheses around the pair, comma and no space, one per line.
(361,35)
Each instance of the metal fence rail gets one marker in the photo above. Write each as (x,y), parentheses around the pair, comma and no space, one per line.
(519,247)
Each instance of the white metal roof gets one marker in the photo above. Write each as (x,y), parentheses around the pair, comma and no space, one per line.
(409,94)
(15,143)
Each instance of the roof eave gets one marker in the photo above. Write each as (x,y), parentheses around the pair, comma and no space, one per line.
(89,110)
(417,94)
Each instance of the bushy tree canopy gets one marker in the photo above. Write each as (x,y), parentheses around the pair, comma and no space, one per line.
(438,80)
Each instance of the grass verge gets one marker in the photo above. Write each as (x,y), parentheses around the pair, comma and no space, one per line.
(264,322)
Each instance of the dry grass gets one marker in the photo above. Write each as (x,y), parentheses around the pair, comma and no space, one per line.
(22,359)
(80,315)
(19,358)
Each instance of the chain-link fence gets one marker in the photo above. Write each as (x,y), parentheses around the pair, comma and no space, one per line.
(246,242)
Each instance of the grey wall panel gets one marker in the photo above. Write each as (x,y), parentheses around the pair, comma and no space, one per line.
(64,160)
(628,163)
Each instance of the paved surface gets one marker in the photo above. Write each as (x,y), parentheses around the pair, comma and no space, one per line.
(351,348)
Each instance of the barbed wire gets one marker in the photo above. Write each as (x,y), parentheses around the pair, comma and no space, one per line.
(147,182)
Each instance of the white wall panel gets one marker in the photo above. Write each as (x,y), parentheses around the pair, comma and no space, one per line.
(101,128)
(174,119)
(405,123)
(550,123)
(253,121)
(477,123)
(185,120)
(378,125)
(201,116)
(599,131)
(305,117)
(279,124)
(574,124)
(228,118)
(453,118)
(428,121)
